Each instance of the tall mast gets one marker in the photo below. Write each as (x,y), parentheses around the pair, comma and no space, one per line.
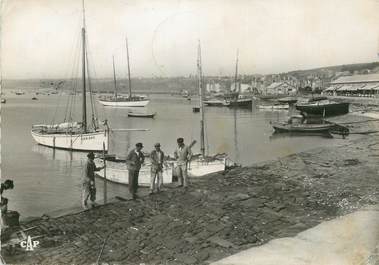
(236,75)
(201,94)
(130,81)
(84,118)
(114,79)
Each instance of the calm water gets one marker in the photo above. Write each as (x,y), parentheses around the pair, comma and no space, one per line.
(46,180)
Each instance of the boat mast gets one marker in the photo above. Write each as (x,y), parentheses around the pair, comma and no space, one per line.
(130,81)
(201,94)
(236,75)
(84,118)
(114,79)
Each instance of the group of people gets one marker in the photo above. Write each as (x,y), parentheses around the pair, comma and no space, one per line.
(134,162)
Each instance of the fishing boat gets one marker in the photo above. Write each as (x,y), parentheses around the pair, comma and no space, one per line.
(122,101)
(274,107)
(235,99)
(117,172)
(323,107)
(74,135)
(214,102)
(142,115)
(298,124)
(203,164)
(200,165)
(70,134)
(288,100)
(302,128)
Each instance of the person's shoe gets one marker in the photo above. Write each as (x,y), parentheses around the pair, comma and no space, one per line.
(180,185)
(151,192)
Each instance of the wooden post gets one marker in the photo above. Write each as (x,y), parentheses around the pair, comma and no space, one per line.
(105,175)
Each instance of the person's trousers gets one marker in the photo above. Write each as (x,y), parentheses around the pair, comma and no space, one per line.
(133,181)
(156,175)
(86,193)
(183,175)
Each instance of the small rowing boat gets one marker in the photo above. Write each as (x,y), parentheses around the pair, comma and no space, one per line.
(141,115)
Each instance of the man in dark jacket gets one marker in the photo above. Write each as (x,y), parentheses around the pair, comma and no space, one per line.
(134,162)
(157,158)
(89,189)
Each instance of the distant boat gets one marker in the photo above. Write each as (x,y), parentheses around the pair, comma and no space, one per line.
(131,100)
(34,98)
(289,100)
(18,93)
(235,99)
(274,107)
(324,107)
(141,115)
(214,102)
(3,100)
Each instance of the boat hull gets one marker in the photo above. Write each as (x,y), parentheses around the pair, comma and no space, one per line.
(78,142)
(310,128)
(324,109)
(198,168)
(117,171)
(140,115)
(239,103)
(124,104)
(273,107)
(214,103)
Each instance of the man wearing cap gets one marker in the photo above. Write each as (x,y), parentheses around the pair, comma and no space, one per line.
(89,189)
(157,158)
(183,155)
(134,161)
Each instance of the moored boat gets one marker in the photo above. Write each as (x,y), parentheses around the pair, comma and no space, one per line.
(302,128)
(122,102)
(72,135)
(117,172)
(324,107)
(141,115)
(274,107)
(288,100)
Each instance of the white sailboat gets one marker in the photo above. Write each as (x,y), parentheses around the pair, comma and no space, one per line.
(199,166)
(121,101)
(203,164)
(74,135)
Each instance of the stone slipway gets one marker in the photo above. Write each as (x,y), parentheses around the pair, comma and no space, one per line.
(350,240)
(220,215)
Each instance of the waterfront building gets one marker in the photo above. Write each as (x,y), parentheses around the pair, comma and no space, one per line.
(281,88)
(354,85)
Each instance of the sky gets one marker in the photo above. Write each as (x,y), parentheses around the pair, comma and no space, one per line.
(41,38)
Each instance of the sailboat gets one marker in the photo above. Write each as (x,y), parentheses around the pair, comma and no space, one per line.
(200,165)
(73,135)
(203,164)
(235,99)
(121,101)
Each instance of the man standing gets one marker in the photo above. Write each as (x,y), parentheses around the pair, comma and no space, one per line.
(157,158)
(89,188)
(183,155)
(134,162)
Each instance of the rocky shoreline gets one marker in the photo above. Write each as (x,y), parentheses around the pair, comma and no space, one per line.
(220,214)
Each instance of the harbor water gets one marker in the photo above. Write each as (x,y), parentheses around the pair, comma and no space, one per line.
(47,180)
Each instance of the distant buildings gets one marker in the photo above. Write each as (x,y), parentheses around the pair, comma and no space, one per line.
(281,88)
(355,85)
